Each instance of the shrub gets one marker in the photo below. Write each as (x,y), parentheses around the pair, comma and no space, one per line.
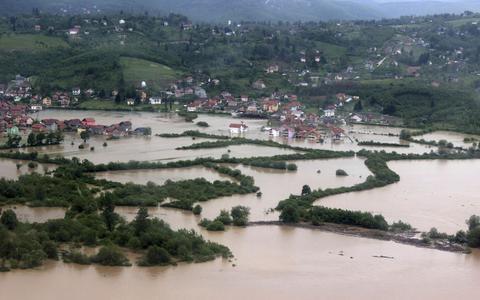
(341,172)
(240,215)
(202,124)
(197,210)
(9,219)
(110,256)
(32,165)
(400,226)
(224,217)
(155,256)
(216,225)
(290,214)
(291,167)
(76,257)
(473,237)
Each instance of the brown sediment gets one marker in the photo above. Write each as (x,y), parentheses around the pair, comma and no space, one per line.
(407,238)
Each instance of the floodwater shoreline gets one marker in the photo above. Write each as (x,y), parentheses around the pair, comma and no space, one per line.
(348,230)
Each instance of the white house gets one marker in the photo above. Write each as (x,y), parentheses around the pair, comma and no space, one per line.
(238,128)
(155,100)
(34,107)
(329,112)
(76,91)
(274,132)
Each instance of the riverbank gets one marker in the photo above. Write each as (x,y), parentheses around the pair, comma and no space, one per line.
(401,238)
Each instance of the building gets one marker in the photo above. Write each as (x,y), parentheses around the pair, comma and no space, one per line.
(88,122)
(76,91)
(259,85)
(237,128)
(155,100)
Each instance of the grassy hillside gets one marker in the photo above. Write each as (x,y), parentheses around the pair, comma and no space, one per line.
(157,76)
(30,42)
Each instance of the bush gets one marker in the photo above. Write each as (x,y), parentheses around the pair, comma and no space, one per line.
(9,219)
(216,226)
(155,256)
(290,214)
(341,172)
(202,124)
(76,257)
(224,217)
(32,165)
(473,237)
(400,227)
(240,215)
(291,167)
(197,210)
(110,256)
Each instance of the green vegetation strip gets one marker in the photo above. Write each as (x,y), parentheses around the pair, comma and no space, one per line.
(380,144)
(26,245)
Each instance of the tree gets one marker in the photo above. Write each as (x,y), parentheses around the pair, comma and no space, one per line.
(473,237)
(156,256)
(13,141)
(141,221)
(224,217)
(85,135)
(290,214)
(306,190)
(108,213)
(197,210)
(31,140)
(40,137)
(473,222)
(240,215)
(405,134)
(358,106)
(9,219)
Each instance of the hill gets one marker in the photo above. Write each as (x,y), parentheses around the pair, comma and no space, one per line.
(251,10)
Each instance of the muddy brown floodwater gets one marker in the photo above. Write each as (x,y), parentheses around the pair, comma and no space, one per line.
(441,194)
(271,262)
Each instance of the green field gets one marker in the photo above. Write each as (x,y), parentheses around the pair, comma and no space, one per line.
(157,76)
(30,42)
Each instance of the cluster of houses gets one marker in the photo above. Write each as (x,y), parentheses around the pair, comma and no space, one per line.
(17,89)
(13,118)
(117,130)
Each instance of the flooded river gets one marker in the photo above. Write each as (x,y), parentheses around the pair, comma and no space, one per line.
(441,194)
(271,262)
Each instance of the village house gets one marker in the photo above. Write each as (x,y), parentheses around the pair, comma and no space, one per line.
(329,111)
(76,91)
(38,128)
(155,100)
(200,92)
(259,85)
(36,107)
(47,101)
(87,122)
(244,98)
(237,128)
(74,31)
(50,124)
(73,124)
(270,106)
(13,130)
(272,69)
